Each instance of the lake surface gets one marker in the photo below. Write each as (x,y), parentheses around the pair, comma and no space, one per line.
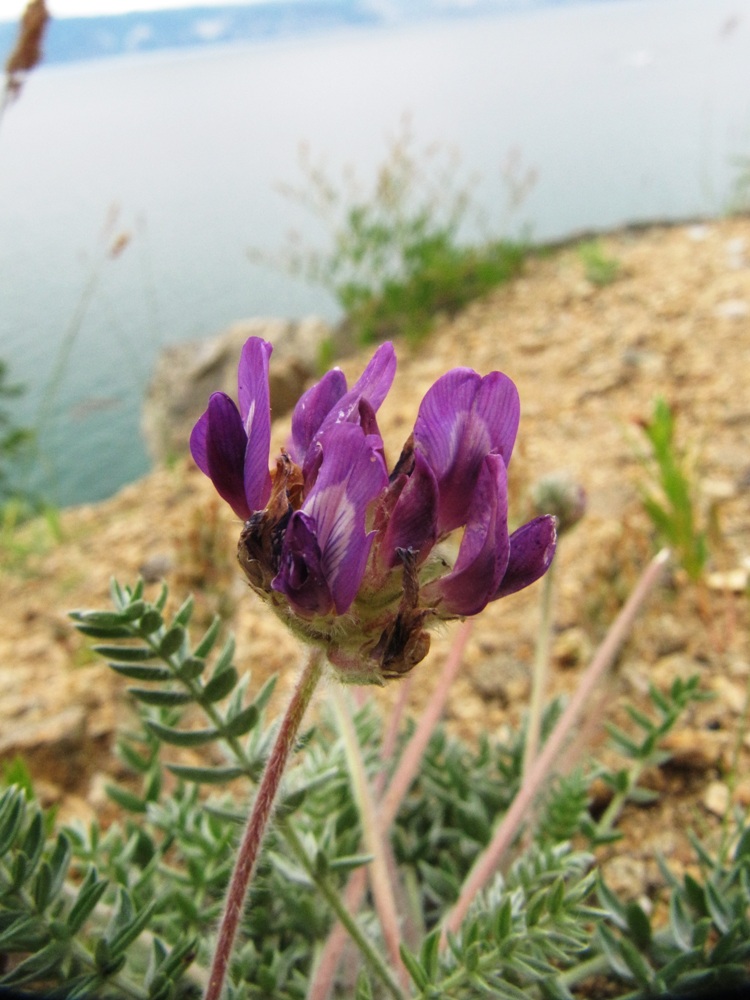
(627,110)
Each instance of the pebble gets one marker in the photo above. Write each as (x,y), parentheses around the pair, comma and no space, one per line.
(716,798)
(732,309)
(731,694)
(572,648)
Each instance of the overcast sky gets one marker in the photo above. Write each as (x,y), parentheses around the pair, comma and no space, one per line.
(11,9)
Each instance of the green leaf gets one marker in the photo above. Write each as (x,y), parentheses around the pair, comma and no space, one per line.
(639,925)
(120,942)
(503,922)
(535,907)
(151,622)
(220,685)
(12,810)
(139,763)
(623,742)
(135,609)
(643,796)
(640,718)
(723,951)
(717,908)
(126,654)
(414,968)
(162,699)
(658,699)
(615,909)
(637,964)
(742,851)
(126,799)
(33,843)
(206,644)
(610,947)
(172,642)
(82,987)
(191,667)
(363,990)
(695,894)
(680,923)
(59,863)
(99,619)
(42,887)
(91,891)
(206,775)
(429,954)
(701,931)
(18,933)
(161,600)
(262,697)
(38,966)
(135,672)
(294,874)
(99,632)
(556,897)
(224,659)
(105,962)
(182,737)
(185,612)
(243,722)
(350,862)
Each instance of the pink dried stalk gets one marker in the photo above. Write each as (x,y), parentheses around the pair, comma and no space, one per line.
(325,971)
(544,766)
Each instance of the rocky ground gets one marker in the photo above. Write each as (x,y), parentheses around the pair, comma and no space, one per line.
(589,362)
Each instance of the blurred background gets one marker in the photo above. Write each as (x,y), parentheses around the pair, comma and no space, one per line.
(142,167)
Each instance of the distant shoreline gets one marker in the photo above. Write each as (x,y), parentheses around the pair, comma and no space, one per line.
(199,27)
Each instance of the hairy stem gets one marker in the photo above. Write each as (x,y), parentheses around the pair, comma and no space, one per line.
(247,856)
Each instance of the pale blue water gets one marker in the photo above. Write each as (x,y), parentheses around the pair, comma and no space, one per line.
(628,110)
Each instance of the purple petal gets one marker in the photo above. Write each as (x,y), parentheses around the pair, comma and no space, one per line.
(198,443)
(532,548)
(312,409)
(301,576)
(352,474)
(497,405)
(252,377)
(255,410)
(220,444)
(413,521)
(375,381)
(483,554)
(463,418)
(372,386)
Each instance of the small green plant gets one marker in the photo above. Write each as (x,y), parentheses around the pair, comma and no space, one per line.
(672,509)
(397,259)
(599,268)
(27,529)
(15,440)
(739,201)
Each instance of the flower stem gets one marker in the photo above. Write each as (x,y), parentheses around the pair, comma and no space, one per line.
(247,856)
(388,806)
(539,679)
(383,889)
(487,863)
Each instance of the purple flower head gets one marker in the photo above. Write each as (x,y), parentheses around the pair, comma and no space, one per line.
(351,558)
